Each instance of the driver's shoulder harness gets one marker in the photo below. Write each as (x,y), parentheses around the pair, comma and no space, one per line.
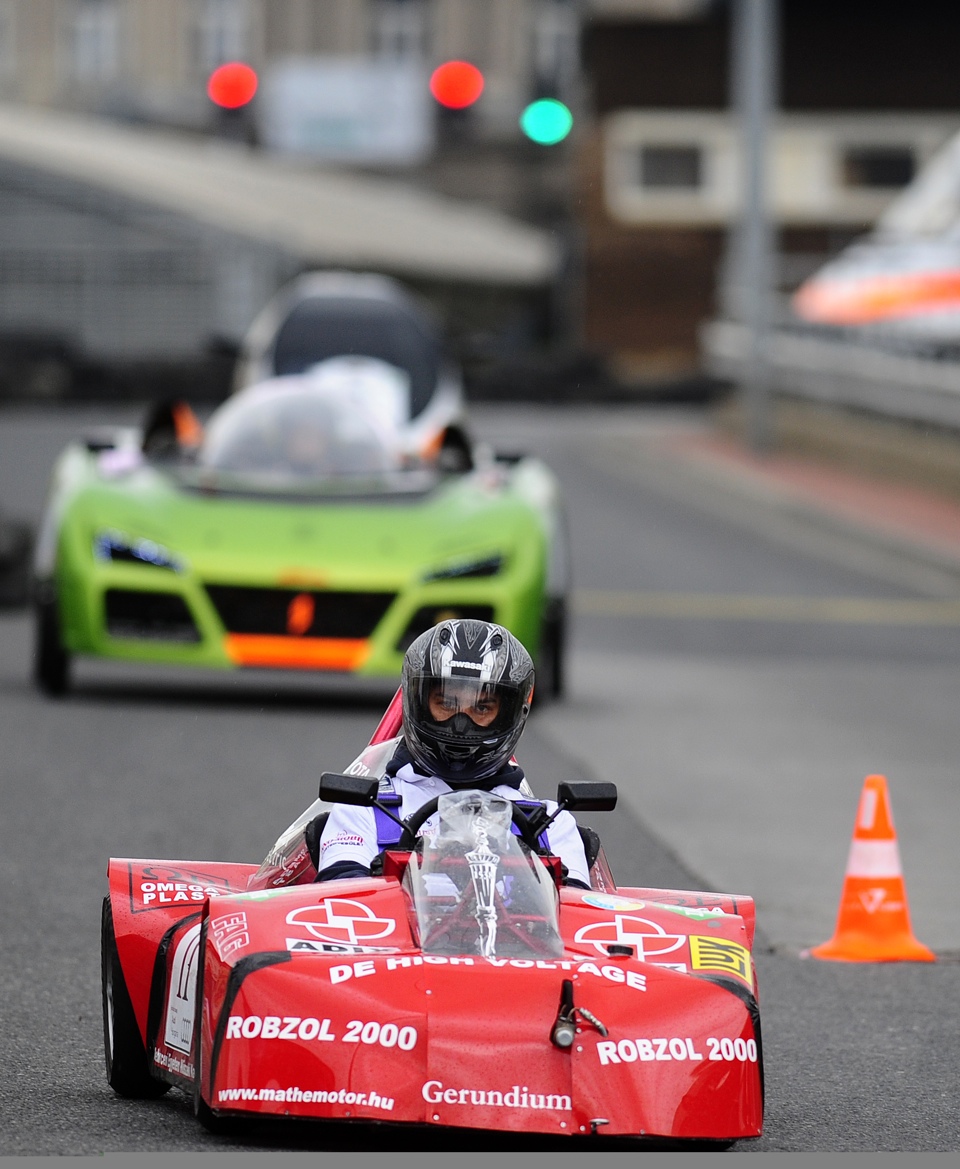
(389,832)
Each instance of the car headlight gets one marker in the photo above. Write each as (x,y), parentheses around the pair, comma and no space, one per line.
(488,566)
(117,548)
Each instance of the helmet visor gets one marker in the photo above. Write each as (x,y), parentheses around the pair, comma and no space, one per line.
(467,709)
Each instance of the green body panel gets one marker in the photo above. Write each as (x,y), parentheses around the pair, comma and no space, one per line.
(506,510)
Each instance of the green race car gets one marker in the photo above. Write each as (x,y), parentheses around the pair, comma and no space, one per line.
(295,531)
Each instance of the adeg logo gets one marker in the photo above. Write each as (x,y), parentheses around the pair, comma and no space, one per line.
(341,920)
(651,940)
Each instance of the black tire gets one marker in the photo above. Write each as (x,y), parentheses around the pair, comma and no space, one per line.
(456,452)
(551,663)
(51,662)
(128,1071)
(16,546)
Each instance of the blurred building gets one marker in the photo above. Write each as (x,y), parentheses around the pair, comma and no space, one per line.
(150,59)
(343,84)
(868,92)
(638,200)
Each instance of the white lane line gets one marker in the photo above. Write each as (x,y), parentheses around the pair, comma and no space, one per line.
(743,607)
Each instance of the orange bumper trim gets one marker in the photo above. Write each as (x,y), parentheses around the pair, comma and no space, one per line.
(296,653)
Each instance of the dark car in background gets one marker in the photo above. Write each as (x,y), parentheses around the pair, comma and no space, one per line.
(16,543)
(331,314)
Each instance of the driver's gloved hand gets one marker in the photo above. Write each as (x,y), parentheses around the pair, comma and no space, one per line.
(342,869)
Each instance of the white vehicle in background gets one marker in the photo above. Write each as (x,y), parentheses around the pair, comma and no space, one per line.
(371,335)
(900,282)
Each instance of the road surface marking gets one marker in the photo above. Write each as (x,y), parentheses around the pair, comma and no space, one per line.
(744,607)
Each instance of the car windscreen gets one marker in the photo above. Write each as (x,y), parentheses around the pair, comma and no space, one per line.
(476,888)
(322,327)
(291,433)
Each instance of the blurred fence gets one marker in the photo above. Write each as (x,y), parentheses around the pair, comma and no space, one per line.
(840,372)
(115,279)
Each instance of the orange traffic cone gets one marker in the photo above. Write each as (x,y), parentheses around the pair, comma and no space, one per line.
(873,924)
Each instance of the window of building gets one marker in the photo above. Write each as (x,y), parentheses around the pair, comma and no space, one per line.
(877,166)
(556,32)
(93,41)
(221,32)
(399,28)
(672,167)
(8,39)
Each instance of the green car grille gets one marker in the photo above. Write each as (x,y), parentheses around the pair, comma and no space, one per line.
(150,615)
(283,612)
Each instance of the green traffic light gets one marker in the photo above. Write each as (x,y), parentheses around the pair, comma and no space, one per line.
(546,121)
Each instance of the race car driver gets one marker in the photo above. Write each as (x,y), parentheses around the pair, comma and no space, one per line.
(466,687)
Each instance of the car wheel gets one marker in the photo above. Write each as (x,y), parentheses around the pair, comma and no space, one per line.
(51,663)
(15,551)
(128,1071)
(551,664)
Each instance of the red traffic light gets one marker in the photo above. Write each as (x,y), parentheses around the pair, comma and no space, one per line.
(456,84)
(232,85)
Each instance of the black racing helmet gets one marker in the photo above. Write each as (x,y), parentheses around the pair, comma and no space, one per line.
(467,687)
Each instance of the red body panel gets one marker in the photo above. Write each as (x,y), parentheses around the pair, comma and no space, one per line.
(148,897)
(316,1002)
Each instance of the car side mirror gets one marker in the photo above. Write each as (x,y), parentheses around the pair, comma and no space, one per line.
(587,797)
(360,790)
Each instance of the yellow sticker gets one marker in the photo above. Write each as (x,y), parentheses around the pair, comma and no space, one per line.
(722,956)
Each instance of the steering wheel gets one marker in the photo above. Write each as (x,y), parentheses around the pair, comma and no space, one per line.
(417,819)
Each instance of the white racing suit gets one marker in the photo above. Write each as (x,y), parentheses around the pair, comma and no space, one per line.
(353,836)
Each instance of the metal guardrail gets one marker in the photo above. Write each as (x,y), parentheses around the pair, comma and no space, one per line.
(842,373)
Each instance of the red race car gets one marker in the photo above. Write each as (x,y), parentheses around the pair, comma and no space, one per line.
(464,986)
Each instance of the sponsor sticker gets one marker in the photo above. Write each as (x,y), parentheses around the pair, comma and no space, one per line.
(229,934)
(875,900)
(154,894)
(339,919)
(308,946)
(309,1029)
(181,994)
(649,939)
(649,1049)
(722,956)
(159,886)
(261,894)
(616,974)
(174,1063)
(516,1097)
(297,1095)
(703,913)
(608,901)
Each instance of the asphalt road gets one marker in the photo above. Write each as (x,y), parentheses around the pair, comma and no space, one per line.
(739,747)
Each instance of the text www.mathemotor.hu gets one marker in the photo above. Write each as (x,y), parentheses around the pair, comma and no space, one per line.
(305,1096)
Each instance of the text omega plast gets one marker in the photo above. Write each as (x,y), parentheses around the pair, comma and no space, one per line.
(181,890)
(367,967)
